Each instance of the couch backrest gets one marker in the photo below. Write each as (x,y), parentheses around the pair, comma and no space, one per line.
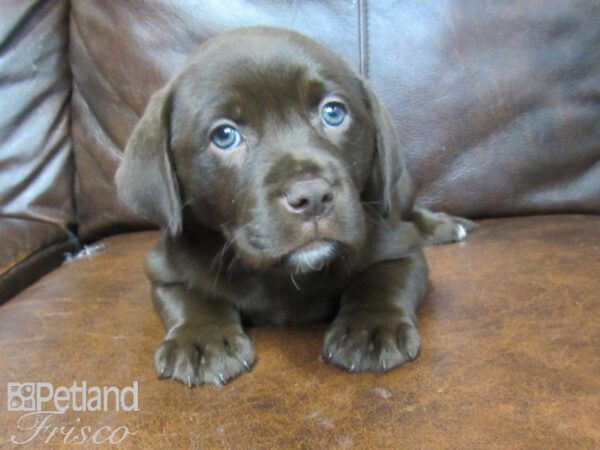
(498,103)
(36,164)
(37,172)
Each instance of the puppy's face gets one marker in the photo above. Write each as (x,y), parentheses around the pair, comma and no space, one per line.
(271,139)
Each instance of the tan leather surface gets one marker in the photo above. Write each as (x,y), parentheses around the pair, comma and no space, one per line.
(496,102)
(510,328)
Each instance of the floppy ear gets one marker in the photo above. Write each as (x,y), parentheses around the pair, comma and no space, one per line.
(146,181)
(391,184)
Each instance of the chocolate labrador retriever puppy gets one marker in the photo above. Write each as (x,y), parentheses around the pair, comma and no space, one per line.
(278,178)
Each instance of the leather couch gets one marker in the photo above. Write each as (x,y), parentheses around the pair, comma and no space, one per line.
(498,104)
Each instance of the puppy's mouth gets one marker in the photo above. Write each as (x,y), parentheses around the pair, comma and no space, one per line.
(312,257)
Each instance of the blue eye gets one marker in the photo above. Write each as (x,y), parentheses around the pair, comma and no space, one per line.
(225,137)
(333,114)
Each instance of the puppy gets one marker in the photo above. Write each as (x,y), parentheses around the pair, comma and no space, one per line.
(277,177)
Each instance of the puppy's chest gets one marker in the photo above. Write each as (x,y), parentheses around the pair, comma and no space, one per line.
(279,300)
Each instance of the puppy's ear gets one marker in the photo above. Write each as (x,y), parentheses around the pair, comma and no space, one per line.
(146,181)
(391,184)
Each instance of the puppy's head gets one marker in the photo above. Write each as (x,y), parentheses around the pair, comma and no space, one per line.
(272,139)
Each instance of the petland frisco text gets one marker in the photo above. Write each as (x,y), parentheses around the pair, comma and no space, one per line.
(44,403)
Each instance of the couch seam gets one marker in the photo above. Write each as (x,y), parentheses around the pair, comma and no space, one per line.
(363,38)
(70,125)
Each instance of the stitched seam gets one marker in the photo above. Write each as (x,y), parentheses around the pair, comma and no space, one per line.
(363,38)
(74,203)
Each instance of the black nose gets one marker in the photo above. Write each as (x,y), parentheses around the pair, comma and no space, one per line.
(313,198)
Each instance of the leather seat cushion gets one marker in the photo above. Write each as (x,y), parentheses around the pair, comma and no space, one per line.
(510,328)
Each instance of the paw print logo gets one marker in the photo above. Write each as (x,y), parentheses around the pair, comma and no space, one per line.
(21,396)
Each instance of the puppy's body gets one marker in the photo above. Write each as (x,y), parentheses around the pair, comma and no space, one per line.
(279,181)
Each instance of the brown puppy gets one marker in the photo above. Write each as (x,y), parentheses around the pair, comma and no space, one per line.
(278,178)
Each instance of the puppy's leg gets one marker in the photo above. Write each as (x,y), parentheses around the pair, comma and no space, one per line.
(376,327)
(441,228)
(204,342)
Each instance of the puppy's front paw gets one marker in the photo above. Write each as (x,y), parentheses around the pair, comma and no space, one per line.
(441,228)
(204,355)
(357,343)
(453,229)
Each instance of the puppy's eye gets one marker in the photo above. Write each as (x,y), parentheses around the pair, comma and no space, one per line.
(225,137)
(333,114)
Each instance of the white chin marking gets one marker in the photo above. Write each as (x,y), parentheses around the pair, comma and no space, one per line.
(312,257)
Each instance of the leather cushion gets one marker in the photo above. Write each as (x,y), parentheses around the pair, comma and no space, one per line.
(509,357)
(30,249)
(498,103)
(36,165)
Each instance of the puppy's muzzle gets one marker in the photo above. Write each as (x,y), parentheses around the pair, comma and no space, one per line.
(313,198)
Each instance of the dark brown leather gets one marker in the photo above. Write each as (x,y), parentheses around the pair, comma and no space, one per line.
(32,264)
(509,357)
(28,250)
(497,102)
(36,166)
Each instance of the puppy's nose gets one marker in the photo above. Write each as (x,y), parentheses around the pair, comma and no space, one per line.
(312,198)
